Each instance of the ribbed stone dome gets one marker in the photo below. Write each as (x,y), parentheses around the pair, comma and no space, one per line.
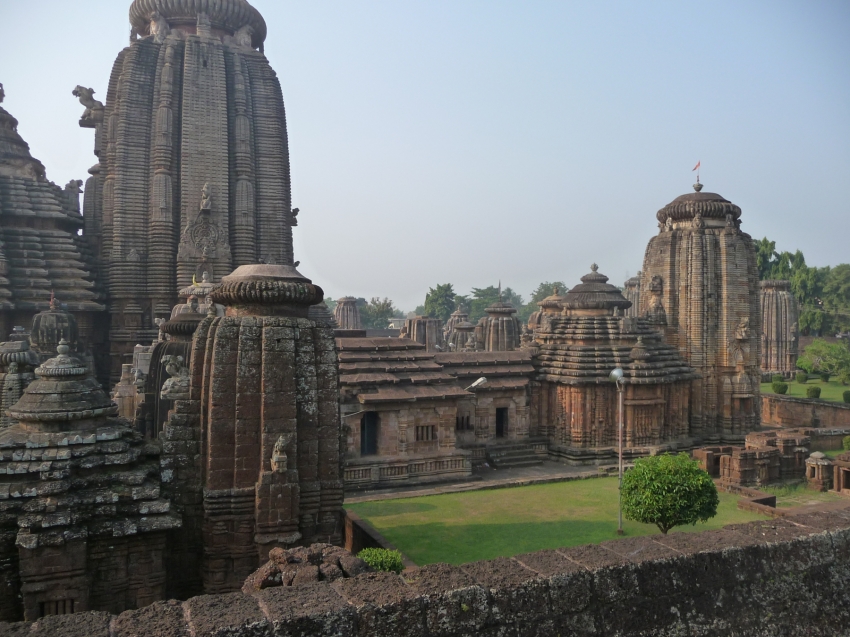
(228,15)
(709,205)
(595,293)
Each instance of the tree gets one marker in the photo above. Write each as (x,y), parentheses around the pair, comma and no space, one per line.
(440,302)
(331,303)
(482,298)
(377,313)
(822,357)
(668,491)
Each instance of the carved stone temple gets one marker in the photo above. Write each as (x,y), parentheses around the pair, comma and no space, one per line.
(700,287)
(780,330)
(44,263)
(193,161)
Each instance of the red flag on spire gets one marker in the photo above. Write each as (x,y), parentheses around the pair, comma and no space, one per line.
(696,167)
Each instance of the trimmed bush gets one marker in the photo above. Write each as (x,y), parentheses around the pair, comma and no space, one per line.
(824,377)
(845,442)
(779,387)
(802,377)
(813,392)
(777,378)
(846,396)
(844,377)
(382,560)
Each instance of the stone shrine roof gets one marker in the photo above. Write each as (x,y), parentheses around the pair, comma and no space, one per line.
(709,205)
(228,15)
(64,396)
(555,301)
(392,369)
(595,293)
(775,284)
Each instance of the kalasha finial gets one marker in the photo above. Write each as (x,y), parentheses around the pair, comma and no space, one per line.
(63,348)
(698,186)
(594,267)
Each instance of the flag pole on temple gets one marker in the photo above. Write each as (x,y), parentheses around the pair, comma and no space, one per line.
(696,168)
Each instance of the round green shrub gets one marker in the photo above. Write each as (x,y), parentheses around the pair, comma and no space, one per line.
(668,491)
(824,377)
(813,392)
(845,441)
(779,387)
(777,378)
(846,396)
(382,559)
(844,377)
(802,377)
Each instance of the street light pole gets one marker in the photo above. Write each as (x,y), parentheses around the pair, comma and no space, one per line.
(617,376)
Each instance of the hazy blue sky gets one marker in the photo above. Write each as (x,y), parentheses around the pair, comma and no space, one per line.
(468,141)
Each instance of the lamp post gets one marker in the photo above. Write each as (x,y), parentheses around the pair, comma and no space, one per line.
(618,377)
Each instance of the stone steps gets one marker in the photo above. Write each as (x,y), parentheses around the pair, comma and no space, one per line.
(513,455)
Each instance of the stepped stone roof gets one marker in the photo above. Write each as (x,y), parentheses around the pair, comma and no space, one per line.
(584,349)
(34,261)
(392,369)
(503,370)
(595,293)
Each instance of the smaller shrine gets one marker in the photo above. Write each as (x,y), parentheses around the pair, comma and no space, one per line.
(84,524)
(347,314)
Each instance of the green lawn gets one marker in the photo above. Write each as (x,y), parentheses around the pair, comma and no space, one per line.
(795,495)
(477,525)
(833,390)
(833,453)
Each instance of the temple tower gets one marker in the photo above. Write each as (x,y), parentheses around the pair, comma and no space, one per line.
(700,287)
(347,314)
(261,403)
(780,330)
(41,250)
(193,172)
(631,290)
(500,330)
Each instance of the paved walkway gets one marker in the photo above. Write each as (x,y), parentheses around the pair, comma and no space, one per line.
(488,478)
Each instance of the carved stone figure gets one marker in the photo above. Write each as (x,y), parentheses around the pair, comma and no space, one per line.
(742,330)
(698,222)
(73,189)
(279,458)
(159,27)
(206,198)
(244,36)
(655,311)
(176,387)
(94,108)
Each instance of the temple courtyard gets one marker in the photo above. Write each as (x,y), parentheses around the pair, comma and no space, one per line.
(484,524)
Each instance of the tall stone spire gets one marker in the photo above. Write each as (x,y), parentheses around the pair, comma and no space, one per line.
(194,160)
(700,287)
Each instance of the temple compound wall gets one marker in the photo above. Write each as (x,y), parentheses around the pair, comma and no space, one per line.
(700,287)
(784,576)
(787,411)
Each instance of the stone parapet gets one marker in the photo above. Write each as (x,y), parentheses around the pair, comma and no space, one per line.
(746,579)
(786,411)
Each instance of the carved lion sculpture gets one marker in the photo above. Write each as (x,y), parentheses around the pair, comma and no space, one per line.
(86,97)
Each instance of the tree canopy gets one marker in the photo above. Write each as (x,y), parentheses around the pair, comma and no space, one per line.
(823,293)
(440,302)
(376,313)
(668,491)
(822,357)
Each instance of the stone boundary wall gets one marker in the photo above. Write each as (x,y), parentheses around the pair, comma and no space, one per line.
(786,411)
(784,577)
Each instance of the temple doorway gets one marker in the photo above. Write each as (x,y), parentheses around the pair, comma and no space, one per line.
(369,434)
(501,421)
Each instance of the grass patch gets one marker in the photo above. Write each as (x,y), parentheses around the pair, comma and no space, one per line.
(833,453)
(833,390)
(479,525)
(795,494)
